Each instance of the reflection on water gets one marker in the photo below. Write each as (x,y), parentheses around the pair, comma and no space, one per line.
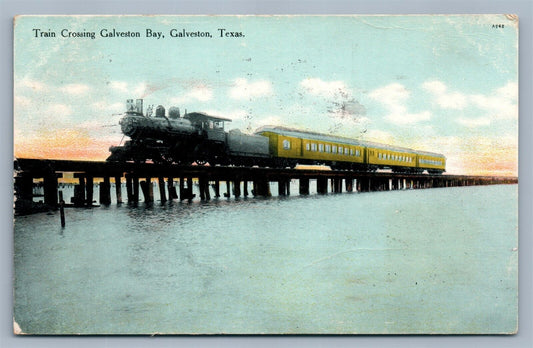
(439,260)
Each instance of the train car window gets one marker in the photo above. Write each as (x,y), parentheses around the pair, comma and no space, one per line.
(351,152)
(321,147)
(313,147)
(286,144)
(357,153)
(328,148)
(341,150)
(334,149)
(308,146)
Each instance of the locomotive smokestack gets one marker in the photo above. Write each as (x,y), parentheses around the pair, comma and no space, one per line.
(139,106)
(130,106)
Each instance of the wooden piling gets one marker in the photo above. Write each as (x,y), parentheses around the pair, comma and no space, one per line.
(262,188)
(172,194)
(135,182)
(206,190)
(245,188)
(304,186)
(61,208)
(203,186)
(23,187)
(182,189)
(161,184)
(144,189)
(190,195)
(282,187)
(79,196)
(50,190)
(322,185)
(89,189)
(118,189)
(150,189)
(129,188)
(338,185)
(365,184)
(237,188)
(348,183)
(217,188)
(105,191)
(228,189)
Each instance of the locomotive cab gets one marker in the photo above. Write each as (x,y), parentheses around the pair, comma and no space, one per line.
(212,127)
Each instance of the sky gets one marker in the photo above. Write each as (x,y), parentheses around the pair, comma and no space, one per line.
(446,84)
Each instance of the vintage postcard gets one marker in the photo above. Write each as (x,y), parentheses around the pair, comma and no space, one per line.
(266,174)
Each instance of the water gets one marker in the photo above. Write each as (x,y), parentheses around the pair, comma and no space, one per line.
(418,261)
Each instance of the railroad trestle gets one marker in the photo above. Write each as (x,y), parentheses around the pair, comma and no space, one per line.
(176,182)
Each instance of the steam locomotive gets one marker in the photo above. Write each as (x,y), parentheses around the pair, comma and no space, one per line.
(201,138)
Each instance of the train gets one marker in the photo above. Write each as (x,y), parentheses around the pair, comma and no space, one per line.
(196,137)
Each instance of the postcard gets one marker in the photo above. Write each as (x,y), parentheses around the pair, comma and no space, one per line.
(351,174)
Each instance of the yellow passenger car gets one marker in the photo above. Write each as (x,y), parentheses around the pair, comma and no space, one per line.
(312,148)
(434,163)
(396,158)
(289,147)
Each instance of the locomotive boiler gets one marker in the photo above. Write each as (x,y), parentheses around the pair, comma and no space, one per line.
(200,138)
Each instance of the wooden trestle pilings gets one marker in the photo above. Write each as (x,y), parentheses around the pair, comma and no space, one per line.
(29,172)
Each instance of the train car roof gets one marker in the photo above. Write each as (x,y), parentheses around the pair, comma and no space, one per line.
(201,116)
(333,138)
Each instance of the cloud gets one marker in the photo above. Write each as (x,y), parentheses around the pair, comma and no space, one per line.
(243,89)
(474,122)
(31,84)
(394,97)
(58,110)
(109,108)
(380,136)
(119,86)
(270,121)
(401,117)
(75,89)
(391,95)
(199,92)
(444,98)
(141,90)
(21,101)
(502,103)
